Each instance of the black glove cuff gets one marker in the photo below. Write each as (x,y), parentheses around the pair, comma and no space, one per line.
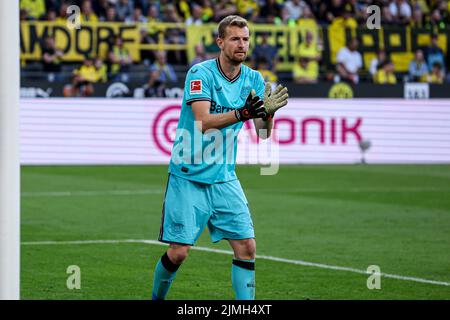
(242,114)
(237,115)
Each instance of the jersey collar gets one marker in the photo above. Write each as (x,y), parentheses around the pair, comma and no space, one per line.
(223,73)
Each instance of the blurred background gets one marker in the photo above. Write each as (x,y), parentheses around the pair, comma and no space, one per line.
(138,49)
(149,45)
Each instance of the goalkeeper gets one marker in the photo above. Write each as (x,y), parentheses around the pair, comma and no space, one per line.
(219,96)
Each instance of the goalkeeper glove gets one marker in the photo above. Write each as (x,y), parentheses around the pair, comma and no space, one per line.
(276,99)
(253,108)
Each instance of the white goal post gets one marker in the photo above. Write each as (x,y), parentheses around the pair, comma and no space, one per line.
(9,151)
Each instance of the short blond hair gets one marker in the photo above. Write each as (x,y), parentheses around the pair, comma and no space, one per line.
(231,21)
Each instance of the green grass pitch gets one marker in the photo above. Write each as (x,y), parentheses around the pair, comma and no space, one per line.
(393,216)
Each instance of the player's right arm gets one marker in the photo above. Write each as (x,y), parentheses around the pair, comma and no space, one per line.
(211,121)
(253,108)
(198,95)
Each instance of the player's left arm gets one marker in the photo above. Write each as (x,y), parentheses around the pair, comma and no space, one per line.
(272,102)
(263,127)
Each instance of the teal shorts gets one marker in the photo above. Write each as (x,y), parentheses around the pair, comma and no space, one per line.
(189,206)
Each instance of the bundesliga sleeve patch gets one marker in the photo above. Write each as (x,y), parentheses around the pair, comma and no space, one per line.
(196,87)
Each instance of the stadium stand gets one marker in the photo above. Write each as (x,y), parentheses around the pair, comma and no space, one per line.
(177,27)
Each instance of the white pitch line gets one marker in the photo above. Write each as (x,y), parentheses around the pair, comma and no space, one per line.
(90,193)
(228,252)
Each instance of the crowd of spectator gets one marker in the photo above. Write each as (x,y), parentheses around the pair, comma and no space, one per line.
(401,12)
(428,65)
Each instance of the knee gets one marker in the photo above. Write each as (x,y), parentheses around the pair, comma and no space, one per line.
(177,254)
(247,249)
(251,248)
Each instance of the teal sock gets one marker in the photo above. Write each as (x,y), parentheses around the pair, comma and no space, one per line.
(164,275)
(243,279)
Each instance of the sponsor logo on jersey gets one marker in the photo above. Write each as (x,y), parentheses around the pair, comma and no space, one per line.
(217,108)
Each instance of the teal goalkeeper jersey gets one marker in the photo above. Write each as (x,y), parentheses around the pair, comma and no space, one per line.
(211,157)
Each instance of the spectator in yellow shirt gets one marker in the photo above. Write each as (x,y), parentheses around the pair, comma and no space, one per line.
(85,77)
(308,49)
(267,74)
(35,8)
(305,72)
(102,70)
(120,60)
(247,9)
(87,14)
(385,75)
(207,11)
(307,20)
(436,75)
(346,20)
(307,69)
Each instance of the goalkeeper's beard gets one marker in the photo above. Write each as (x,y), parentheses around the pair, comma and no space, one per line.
(235,60)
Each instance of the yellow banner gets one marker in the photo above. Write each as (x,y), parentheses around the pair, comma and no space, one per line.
(93,39)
